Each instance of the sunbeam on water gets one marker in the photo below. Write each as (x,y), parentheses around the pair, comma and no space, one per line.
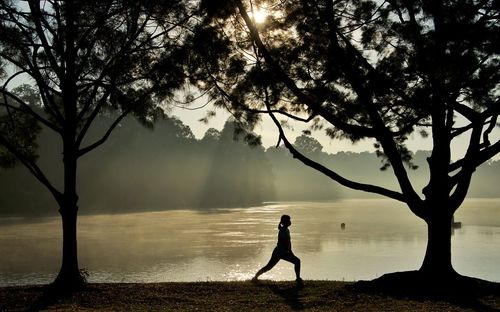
(380,236)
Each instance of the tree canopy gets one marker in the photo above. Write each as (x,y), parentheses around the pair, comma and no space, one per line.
(84,58)
(368,69)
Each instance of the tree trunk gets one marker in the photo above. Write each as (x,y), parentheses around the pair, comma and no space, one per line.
(437,262)
(69,277)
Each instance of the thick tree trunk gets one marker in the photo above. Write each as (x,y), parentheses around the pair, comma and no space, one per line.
(69,277)
(437,262)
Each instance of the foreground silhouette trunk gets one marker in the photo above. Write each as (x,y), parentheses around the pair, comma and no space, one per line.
(69,277)
(437,261)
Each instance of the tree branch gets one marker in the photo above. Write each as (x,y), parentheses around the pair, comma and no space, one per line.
(382,132)
(315,107)
(32,167)
(487,132)
(331,174)
(34,72)
(25,108)
(93,115)
(251,110)
(483,156)
(37,16)
(468,167)
(103,139)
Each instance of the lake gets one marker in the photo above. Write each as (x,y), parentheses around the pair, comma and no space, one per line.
(380,236)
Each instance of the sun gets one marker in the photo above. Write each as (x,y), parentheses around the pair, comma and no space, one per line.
(260,16)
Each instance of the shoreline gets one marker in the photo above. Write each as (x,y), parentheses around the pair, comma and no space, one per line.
(264,295)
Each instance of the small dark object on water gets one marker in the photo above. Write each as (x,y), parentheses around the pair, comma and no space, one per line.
(455,225)
(342,226)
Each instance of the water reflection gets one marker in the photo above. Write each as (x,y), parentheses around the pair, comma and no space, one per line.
(380,236)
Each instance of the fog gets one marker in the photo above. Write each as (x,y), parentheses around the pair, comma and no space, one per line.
(165,168)
(141,169)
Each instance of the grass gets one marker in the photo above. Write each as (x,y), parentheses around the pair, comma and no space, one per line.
(236,296)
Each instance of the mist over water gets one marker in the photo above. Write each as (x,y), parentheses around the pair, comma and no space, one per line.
(381,236)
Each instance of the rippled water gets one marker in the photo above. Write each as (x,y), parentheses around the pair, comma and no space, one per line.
(232,244)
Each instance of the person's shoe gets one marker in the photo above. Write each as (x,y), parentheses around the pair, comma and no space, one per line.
(300,282)
(254,279)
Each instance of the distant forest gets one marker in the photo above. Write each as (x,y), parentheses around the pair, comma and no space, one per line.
(141,169)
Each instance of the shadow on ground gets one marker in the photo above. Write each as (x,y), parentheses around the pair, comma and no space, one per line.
(51,295)
(291,295)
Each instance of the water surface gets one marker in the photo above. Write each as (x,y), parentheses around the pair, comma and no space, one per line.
(232,244)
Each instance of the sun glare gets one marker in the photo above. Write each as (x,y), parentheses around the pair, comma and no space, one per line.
(260,16)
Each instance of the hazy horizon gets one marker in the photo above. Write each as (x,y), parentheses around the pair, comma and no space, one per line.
(269,134)
(169,168)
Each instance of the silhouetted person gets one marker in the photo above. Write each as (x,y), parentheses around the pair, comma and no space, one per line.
(283,250)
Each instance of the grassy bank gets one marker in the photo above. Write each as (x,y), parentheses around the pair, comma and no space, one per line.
(234,296)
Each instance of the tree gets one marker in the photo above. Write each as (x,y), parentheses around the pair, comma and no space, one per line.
(238,175)
(85,58)
(378,70)
(307,145)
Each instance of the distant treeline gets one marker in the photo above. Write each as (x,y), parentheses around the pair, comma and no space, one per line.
(168,168)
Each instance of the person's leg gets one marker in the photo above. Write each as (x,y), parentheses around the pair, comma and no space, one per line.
(272,262)
(296,261)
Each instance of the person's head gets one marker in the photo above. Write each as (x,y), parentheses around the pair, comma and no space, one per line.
(284,221)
